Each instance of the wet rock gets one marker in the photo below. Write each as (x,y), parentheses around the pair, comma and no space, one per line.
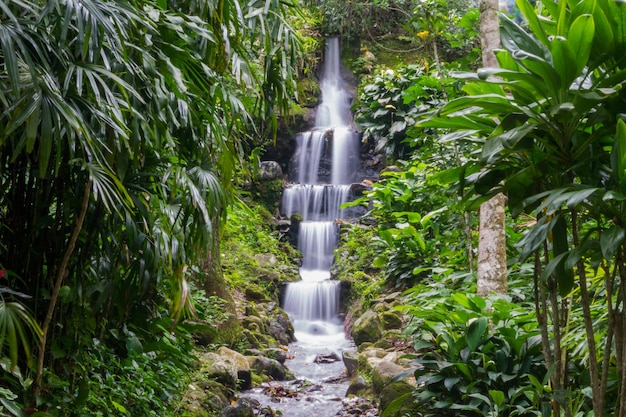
(358,386)
(220,369)
(351,361)
(367,328)
(242,408)
(384,371)
(276,353)
(269,367)
(244,375)
(281,328)
(269,170)
(392,319)
(357,406)
(329,358)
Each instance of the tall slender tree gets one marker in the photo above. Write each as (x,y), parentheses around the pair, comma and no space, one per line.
(491,268)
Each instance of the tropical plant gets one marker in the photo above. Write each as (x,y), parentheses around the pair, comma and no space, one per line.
(389,103)
(551,116)
(474,356)
(121,127)
(417,224)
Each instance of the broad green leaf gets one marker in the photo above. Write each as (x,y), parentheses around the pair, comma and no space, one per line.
(618,155)
(119,407)
(610,240)
(535,25)
(514,38)
(497,396)
(565,61)
(475,332)
(604,40)
(580,39)
(450,382)
(535,237)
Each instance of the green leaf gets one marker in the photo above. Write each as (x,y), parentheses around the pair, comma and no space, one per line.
(565,61)
(475,332)
(119,407)
(497,396)
(528,10)
(618,155)
(580,39)
(450,382)
(514,38)
(610,240)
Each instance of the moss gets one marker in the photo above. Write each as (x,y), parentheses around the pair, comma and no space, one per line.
(267,193)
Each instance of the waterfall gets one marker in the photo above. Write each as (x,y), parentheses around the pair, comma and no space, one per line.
(325,163)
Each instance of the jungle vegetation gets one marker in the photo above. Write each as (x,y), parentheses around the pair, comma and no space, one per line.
(128,129)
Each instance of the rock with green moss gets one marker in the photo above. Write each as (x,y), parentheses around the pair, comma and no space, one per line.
(383,372)
(244,375)
(393,392)
(242,408)
(269,367)
(367,328)
(204,398)
(392,319)
(351,361)
(359,387)
(218,368)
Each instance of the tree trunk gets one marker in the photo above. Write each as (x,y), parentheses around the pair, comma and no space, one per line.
(492,248)
(215,284)
(491,267)
(489,31)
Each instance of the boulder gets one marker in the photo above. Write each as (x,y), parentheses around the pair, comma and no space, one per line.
(242,408)
(269,367)
(281,328)
(219,368)
(244,375)
(276,353)
(367,328)
(392,319)
(384,371)
(205,395)
(394,391)
(270,170)
(357,387)
(351,361)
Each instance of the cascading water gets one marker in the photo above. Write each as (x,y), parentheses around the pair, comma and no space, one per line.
(326,162)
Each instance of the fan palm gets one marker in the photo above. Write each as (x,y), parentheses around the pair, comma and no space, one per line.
(121,127)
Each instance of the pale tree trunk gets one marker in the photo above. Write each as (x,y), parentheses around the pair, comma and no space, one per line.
(489,31)
(492,277)
(492,248)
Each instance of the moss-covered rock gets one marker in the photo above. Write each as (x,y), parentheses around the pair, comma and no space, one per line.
(392,319)
(367,328)
(393,392)
(218,368)
(244,375)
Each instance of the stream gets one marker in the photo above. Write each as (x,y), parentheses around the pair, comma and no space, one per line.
(325,163)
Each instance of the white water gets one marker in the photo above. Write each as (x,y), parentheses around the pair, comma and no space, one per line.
(313,303)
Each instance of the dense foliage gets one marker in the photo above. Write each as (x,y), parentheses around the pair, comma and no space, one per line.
(549,133)
(122,125)
(554,133)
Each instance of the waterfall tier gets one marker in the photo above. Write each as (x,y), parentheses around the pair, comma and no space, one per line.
(325,163)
